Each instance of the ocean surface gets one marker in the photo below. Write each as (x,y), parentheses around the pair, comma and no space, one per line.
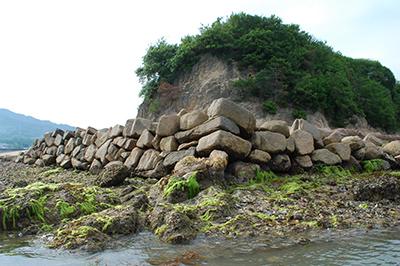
(349,247)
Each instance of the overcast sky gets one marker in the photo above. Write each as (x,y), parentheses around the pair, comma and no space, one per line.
(74,61)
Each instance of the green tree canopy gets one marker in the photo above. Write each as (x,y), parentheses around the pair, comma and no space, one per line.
(293,69)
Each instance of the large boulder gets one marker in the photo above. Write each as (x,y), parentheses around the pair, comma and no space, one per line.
(133,160)
(341,149)
(304,161)
(173,157)
(392,148)
(373,139)
(355,142)
(168,125)
(168,144)
(303,141)
(280,163)
(259,157)
(212,125)
(145,140)
(192,119)
(241,116)
(116,131)
(334,137)
(326,157)
(136,128)
(310,128)
(235,146)
(278,126)
(113,174)
(102,152)
(90,153)
(149,160)
(70,146)
(268,141)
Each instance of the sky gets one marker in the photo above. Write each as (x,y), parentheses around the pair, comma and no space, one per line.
(73,62)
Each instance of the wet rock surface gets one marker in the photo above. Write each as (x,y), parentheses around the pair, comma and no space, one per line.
(75,214)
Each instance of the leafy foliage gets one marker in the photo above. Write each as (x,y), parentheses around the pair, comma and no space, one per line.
(292,68)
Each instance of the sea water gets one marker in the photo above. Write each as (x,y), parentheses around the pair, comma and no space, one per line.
(349,247)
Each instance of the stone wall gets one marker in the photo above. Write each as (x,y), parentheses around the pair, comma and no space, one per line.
(152,149)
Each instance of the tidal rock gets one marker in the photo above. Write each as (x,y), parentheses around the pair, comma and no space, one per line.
(192,119)
(148,160)
(259,157)
(268,141)
(235,146)
(355,142)
(303,141)
(113,174)
(168,144)
(132,161)
(280,163)
(173,157)
(241,116)
(377,188)
(102,152)
(326,157)
(95,167)
(392,148)
(304,161)
(212,125)
(168,125)
(278,126)
(341,149)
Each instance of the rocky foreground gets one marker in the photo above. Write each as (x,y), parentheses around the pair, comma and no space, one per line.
(75,213)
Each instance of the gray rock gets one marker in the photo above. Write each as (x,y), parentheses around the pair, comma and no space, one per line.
(372,151)
(138,126)
(173,157)
(66,163)
(112,152)
(60,158)
(192,119)
(130,144)
(119,141)
(60,150)
(373,139)
(156,142)
(95,167)
(58,140)
(77,150)
(168,144)
(303,141)
(90,153)
(359,154)
(77,164)
(392,148)
(49,159)
(102,152)
(113,174)
(116,131)
(278,126)
(91,131)
(270,142)
(334,137)
(290,146)
(280,163)
(168,125)
(148,160)
(39,162)
(236,147)
(57,132)
(102,136)
(325,156)
(241,116)
(306,126)
(341,149)
(128,127)
(70,146)
(212,125)
(145,140)
(49,139)
(68,134)
(355,142)
(132,161)
(259,157)
(304,161)
(185,146)
(87,139)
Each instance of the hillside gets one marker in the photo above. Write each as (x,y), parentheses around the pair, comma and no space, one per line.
(268,66)
(19,130)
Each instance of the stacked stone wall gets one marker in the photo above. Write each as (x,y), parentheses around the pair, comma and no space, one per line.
(153,148)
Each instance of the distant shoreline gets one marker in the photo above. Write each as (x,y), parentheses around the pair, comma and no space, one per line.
(10,151)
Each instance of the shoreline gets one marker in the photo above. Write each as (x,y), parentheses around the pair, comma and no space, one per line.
(77,214)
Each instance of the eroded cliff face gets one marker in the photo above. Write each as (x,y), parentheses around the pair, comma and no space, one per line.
(208,80)
(211,79)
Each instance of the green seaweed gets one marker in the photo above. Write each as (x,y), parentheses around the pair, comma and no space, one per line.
(66,210)
(190,183)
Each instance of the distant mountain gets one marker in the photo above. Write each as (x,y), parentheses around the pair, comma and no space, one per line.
(19,130)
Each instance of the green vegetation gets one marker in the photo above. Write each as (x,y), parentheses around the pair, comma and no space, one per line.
(292,68)
(190,183)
